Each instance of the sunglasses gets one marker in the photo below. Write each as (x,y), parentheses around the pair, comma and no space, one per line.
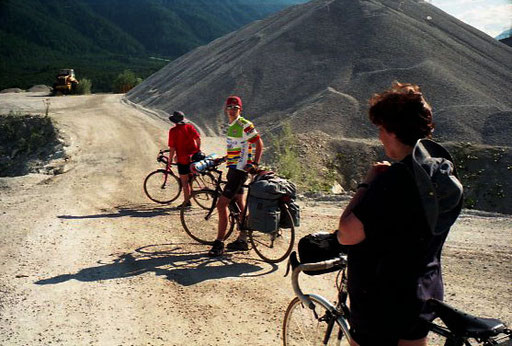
(232,107)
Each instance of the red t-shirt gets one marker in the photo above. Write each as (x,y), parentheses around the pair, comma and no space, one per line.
(182,138)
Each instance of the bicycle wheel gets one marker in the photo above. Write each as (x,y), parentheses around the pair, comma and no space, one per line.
(201,224)
(305,326)
(162,187)
(275,246)
(203,182)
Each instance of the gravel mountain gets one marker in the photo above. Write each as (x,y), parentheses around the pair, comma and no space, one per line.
(318,63)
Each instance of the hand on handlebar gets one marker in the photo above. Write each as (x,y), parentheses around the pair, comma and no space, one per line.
(250,168)
(220,160)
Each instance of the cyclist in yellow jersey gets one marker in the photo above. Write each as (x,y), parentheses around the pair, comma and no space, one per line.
(241,137)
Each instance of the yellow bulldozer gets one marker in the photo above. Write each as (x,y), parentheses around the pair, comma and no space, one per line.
(66,82)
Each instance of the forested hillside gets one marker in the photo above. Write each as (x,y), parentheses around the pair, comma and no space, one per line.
(100,39)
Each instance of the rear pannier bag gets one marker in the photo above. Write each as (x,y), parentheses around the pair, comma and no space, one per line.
(265,193)
(264,214)
(267,188)
(294,209)
(318,247)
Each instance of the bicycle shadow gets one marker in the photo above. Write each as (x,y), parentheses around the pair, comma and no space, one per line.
(142,210)
(182,267)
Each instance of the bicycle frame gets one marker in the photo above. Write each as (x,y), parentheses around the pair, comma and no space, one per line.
(272,246)
(168,166)
(167,161)
(341,312)
(233,206)
(451,339)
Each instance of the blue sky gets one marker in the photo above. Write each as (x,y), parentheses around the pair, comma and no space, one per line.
(490,16)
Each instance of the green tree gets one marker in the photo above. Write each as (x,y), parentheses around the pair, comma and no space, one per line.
(84,87)
(125,81)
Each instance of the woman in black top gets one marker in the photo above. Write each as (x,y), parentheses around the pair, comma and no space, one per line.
(397,223)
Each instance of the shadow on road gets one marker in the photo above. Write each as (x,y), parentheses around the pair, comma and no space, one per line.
(142,210)
(185,268)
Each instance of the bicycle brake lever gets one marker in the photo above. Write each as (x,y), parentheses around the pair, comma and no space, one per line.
(293,262)
(288,265)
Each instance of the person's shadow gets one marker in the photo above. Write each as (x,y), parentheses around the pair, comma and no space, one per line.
(142,210)
(185,268)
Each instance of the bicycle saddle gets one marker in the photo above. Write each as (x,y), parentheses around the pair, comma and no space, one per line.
(464,324)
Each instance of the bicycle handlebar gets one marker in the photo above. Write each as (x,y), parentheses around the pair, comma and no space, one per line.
(297,268)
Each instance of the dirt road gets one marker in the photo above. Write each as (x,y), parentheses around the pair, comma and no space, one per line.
(86,258)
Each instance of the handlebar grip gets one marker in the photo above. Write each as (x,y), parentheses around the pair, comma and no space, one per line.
(328,264)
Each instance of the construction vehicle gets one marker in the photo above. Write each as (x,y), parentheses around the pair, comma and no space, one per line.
(66,82)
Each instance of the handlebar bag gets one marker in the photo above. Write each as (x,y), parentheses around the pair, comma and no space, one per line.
(318,247)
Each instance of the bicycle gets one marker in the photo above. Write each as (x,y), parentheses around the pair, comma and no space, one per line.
(164,186)
(311,319)
(201,223)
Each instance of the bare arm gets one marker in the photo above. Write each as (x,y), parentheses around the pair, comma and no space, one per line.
(350,228)
(172,151)
(259,150)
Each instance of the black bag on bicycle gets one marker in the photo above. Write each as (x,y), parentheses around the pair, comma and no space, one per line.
(267,185)
(198,156)
(318,247)
(264,214)
(294,210)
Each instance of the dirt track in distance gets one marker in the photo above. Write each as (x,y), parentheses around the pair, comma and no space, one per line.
(86,258)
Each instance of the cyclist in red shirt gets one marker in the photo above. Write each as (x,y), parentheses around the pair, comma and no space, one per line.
(184,141)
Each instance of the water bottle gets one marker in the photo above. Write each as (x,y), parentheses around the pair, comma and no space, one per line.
(198,166)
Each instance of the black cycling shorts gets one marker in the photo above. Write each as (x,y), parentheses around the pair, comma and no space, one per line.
(236,179)
(184,169)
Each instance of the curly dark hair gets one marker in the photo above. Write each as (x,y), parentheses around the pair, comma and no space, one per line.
(403,110)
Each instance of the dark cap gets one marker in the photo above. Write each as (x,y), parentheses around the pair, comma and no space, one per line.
(177,117)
